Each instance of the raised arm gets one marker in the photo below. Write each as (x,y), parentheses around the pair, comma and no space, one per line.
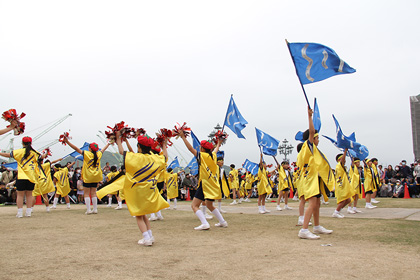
(164,149)
(261,158)
(128,146)
(105,147)
(343,158)
(217,146)
(188,144)
(311,125)
(5,155)
(119,144)
(77,149)
(13,124)
(55,161)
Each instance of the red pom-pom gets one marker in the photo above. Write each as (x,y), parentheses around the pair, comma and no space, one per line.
(10,116)
(269,165)
(179,128)
(164,134)
(64,136)
(47,152)
(220,136)
(125,132)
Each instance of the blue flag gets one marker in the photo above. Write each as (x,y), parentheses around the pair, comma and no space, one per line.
(234,119)
(362,152)
(343,141)
(196,142)
(174,164)
(317,122)
(316,62)
(193,166)
(268,143)
(251,167)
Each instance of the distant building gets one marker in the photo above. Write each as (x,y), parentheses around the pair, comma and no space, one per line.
(415,124)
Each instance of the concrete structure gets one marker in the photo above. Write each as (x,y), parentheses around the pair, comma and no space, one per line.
(415,124)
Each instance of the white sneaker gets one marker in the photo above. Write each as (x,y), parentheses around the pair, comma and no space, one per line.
(109,205)
(19,215)
(287,207)
(337,215)
(281,200)
(222,211)
(322,230)
(234,203)
(295,198)
(173,208)
(118,208)
(208,217)
(202,227)
(370,206)
(88,212)
(240,201)
(142,241)
(267,211)
(350,211)
(247,200)
(307,235)
(95,212)
(28,214)
(374,200)
(278,208)
(261,212)
(300,222)
(357,211)
(68,207)
(147,242)
(53,207)
(47,209)
(160,218)
(224,224)
(153,218)
(325,202)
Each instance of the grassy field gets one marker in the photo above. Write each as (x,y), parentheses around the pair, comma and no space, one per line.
(67,244)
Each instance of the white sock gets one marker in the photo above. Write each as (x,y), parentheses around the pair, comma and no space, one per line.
(120,203)
(234,200)
(20,210)
(159,214)
(153,216)
(87,203)
(263,207)
(304,230)
(55,201)
(28,210)
(218,215)
(204,209)
(146,235)
(219,205)
(68,205)
(285,205)
(150,233)
(48,208)
(354,208)
(109,200)
(336,212)
(260,208)
(175,202)
(95,203)
(317,227)
(201,216)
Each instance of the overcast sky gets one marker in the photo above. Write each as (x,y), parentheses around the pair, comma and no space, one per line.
(155,63)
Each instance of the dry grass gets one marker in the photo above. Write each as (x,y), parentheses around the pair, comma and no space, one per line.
(67,244)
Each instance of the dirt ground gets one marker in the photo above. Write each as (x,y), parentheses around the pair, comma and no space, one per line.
(66,244)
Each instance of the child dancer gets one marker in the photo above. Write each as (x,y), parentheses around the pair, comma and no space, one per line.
(343,190)
(28,173)
(234,184)
(140,187)
(355,184)
(208,181)
(369,183)
(109,177)
(284,185)
(172,186)
(223,180)
(314,174)
(263,186)
(45,183)
(91,173)
(61,181)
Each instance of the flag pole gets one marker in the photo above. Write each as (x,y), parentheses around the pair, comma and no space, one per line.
(223,128)
(304,92)
(276,161)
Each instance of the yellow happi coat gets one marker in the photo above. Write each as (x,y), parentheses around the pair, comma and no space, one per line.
(355,183)
(27,168)
(343,189)
(369,182)
(62,183)
(224,182)
(376,178)
(233,179)
(111,176)
(113,187)
(172,185)
(249,179)
(314,173)
(91,173)
(208,176)
(285,180)
(45,183)
(263,185)
(140,186)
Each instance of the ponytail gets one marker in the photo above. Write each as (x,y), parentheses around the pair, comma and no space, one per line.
(95,158)
(28,149)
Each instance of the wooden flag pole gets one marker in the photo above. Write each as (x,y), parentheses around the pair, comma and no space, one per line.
(304,92)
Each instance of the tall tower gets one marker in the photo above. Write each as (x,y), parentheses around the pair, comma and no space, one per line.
(415,124)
